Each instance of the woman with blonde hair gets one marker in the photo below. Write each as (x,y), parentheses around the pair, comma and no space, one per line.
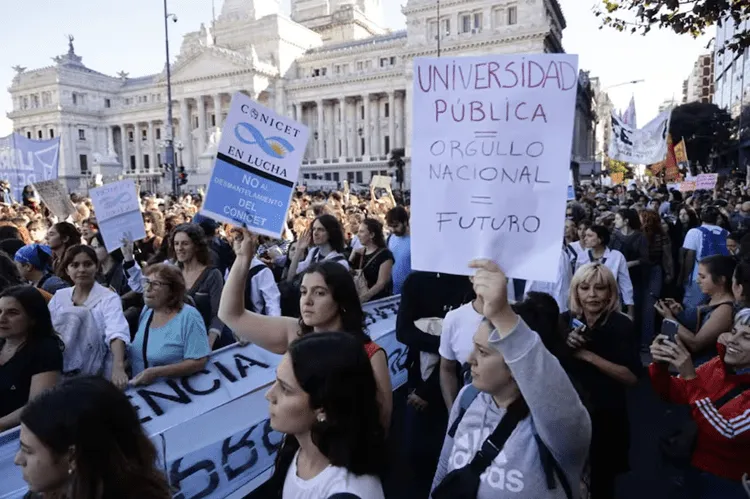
(606,360)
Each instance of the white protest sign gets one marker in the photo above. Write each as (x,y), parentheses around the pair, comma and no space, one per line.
(318,184)
(118,213)
(55,196)
(257,165)
(706,181)
(381,182)
(491,162)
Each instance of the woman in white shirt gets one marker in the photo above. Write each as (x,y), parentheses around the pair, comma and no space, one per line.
(327,239)
(325,400)
(81,265)
(595,241)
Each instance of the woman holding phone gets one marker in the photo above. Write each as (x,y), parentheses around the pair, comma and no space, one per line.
(700,327)
(718,393)
(605,362)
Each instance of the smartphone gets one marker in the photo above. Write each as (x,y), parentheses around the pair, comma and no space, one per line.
(669,329)
(576,324)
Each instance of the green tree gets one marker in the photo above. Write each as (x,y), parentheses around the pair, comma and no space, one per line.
(615,166)
(706,128)
(692,17)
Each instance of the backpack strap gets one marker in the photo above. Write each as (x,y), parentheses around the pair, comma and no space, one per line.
(573,256)
(467,397)
(731,394)
(491,447)
(551,467)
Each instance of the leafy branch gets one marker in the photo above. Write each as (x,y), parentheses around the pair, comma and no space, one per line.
(684,17)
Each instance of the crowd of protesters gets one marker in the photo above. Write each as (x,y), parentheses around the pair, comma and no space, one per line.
(515,388)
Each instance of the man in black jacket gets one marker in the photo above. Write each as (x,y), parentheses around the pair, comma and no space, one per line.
(426,295)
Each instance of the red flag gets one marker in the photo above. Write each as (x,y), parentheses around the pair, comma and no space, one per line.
(672,170)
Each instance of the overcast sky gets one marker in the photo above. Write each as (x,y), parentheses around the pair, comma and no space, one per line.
(115,35)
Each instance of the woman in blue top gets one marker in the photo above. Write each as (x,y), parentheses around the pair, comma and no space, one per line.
(171,339)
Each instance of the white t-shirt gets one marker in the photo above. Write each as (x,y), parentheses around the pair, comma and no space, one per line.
(332,480)
(459,327)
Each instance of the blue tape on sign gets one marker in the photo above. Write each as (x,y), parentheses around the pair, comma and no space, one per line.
(212,428)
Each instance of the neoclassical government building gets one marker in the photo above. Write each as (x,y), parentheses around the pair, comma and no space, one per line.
(330,64)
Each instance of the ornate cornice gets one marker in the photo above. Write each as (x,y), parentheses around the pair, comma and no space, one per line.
(320,82)
(336,52)
(426,50)
(431,6)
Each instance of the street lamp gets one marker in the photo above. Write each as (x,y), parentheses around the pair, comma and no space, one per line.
(169,150)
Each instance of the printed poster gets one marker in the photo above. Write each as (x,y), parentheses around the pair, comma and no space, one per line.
(257,166)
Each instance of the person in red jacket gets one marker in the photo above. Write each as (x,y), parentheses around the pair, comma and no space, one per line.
(722,450)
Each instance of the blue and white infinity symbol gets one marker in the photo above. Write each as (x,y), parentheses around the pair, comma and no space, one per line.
(277,147)
(123,197)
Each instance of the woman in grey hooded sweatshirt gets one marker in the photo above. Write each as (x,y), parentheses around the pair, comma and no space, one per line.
(509,361)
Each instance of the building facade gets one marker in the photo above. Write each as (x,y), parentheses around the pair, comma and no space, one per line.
(699,86)
(329,65)
(731,70)
(604,109)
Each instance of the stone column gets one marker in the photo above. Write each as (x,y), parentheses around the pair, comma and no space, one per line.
(344,127)
(352,139)
(391,121)
(366,129)
(376,142)
(125,156)
(152,157)
(320,130)
(331,135)
(217,109)
(408,121)
(110,141)
(201,125)
(137,141)
(399,140)
(185,136)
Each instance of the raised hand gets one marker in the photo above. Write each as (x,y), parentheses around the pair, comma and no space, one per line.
(491,284)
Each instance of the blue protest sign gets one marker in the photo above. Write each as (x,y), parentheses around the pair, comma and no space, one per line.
(257,165)
(25,161)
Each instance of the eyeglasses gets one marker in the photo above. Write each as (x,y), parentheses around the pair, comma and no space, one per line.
(147,283)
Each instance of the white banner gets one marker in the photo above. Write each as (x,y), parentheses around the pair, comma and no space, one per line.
(212,429)
(315,184)
(491,162)
(644,146)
